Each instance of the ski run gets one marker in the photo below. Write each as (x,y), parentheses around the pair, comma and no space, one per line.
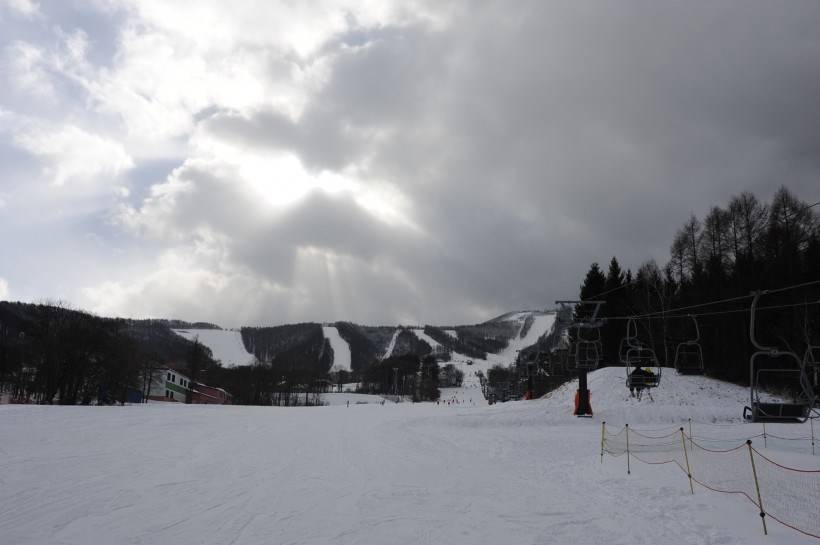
(341,350)
(226,345)
(370,473)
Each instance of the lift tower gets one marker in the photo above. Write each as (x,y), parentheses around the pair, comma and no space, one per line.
(586,349)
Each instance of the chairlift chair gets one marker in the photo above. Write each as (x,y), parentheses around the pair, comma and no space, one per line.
(774,361)
(588,351)
(639,356)
(689,355)
(811,371)
(555,364)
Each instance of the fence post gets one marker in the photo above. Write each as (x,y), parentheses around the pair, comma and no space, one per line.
(757,487)
(628,468)
(811,423)
(603,431)
(686,457)
(691,446)
(765,443)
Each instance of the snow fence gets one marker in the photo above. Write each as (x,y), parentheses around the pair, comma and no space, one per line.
(788,495)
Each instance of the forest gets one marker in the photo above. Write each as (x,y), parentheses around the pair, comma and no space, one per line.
(715,265)
(51,353)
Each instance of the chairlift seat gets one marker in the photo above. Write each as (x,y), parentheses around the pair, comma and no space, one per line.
(689,359)
(587,355)
(777,412)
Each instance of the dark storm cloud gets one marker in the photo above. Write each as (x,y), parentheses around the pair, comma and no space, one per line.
(537,140)
(529,140)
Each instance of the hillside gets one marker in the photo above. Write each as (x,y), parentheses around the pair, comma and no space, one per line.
(353,347)
(226,345)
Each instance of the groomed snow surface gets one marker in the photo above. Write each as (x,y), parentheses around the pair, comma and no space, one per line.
(226,345)
(341,350)
(470,391)
(520,472)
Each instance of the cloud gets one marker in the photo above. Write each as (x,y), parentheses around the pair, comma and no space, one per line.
(26,68)
(387,162)
(26,8)
(71,154)
(4,289)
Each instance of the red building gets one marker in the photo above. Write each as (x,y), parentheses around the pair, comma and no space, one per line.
(208,395)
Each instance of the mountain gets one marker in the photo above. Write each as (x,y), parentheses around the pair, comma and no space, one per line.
(353,347)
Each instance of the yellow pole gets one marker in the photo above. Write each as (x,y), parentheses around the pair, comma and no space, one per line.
(691,446)
(686,457)
(811,423)
(628,468)
(603,431)
(757,487)
(765,443)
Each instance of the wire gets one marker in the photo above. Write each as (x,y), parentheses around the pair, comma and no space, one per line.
(719,312)
(622,286)
(671,312)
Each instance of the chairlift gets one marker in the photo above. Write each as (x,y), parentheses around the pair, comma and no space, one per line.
(643,370)
(588,350)
(764,363)
(688,354)
(811,371)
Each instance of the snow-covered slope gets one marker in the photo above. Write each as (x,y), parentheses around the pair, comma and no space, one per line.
(541,325)
(674,401)
(226,345)
(343,398)
(398,474)
(426,338)
(471,390)
(389,351)
(341,350)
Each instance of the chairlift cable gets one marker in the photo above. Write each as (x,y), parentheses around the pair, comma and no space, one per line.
(670,312)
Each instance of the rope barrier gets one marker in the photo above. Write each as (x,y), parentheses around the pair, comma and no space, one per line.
(787,495)
(796,470)
(655,436)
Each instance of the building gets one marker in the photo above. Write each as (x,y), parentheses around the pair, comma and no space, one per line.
(208,395)
(171,385)
(168,385)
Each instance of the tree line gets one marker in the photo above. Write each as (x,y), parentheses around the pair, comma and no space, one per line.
(735,249)
(50,353)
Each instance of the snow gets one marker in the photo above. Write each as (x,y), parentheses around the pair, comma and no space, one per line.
(226,345)
(452,333)
(341,350)
(426,338)
(541,324)
(519,472)
(345,397)
(389,351)
(471,387)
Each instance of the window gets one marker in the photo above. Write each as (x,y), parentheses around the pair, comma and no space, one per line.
(174,379)
(167,393)
(172,395)
(169,376)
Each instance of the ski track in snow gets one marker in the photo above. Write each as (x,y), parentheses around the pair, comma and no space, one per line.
(341,350)
(519,472)
(226,345)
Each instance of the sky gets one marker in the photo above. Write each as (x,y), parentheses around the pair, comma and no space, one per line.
(262,162)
